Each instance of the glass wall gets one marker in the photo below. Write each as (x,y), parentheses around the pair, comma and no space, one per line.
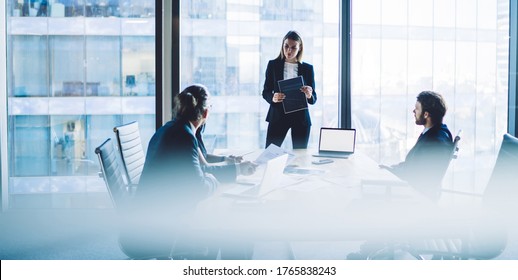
(75,69)
(226,45)
(458,48)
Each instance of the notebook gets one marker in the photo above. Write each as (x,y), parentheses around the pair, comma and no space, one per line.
(272,175)
(336,142)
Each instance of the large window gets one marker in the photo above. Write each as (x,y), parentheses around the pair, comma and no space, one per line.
(75,69)
(226,45)
(458,48)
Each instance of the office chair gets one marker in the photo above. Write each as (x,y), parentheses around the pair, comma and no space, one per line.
(130,148)
(137,236)
(370,190)
(455,150)
(488,238)
(113,173)
(390,184)
(499,205)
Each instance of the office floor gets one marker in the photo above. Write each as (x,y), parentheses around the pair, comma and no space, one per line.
(92,234)
(59,234)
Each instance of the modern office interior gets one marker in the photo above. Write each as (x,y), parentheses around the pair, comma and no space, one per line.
(75,69)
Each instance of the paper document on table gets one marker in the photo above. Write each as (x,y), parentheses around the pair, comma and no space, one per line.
(269,153)
(295,99)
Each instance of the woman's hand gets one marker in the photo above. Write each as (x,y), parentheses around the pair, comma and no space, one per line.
(247,168)
(202,159)
(308,91)
(278,97)
(233,159)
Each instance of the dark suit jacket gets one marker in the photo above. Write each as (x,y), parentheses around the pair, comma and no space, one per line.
(426,163)
(224,173)
(275,73)
(172,177)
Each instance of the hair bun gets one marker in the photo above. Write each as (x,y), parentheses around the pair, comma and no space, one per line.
(191,102)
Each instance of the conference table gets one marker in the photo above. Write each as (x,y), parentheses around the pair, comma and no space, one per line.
(347,199)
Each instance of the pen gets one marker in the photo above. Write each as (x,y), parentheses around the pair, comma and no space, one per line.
(247,153)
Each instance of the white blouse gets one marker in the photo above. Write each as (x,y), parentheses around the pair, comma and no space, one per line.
(290,70)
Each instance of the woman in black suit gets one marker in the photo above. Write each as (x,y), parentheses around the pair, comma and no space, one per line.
(172,170)
(173,182)
(288,65)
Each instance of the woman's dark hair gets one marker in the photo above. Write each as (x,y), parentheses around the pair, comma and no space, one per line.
(434,104)
(191,103)
(295,36)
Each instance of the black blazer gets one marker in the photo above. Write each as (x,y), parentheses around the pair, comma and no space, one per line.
(275,73)
(426,163)
(172,176)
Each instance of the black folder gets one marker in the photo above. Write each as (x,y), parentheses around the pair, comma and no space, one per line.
(295,99)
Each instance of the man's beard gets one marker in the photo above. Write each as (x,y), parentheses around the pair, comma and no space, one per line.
(419,120)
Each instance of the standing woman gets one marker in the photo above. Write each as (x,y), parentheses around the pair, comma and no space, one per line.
(288,65)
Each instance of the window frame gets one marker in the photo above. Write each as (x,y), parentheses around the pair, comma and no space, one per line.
(512,121)
(4,172)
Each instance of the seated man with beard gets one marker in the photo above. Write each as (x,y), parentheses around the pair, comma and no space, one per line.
(426,163)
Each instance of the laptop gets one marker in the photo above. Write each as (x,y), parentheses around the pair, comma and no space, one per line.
(336,142)
(272,178)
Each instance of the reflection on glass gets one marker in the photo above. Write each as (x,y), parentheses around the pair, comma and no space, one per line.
(204,9)
(77,8)
(102,8)
(29,62)
(54,138)
(302,10)
(454,48)
(66,58)
(29,8)
(69,146)
(102,78)
(231,61)
(30,147)
(138,66)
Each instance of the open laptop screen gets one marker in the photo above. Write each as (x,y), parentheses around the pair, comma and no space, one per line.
(337,140)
